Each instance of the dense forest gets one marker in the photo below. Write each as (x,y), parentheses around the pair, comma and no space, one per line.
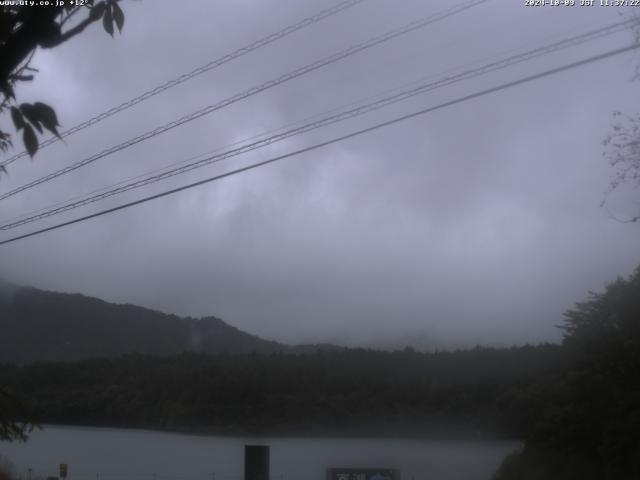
(479,391)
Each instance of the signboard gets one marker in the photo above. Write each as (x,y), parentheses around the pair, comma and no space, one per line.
(362,474)
(63,470)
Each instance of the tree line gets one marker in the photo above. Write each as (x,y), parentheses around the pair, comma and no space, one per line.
(483,391)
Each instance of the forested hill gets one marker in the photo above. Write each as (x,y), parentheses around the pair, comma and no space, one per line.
(479,391)
(45,326)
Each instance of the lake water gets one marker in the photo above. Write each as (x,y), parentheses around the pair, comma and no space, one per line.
(115,454)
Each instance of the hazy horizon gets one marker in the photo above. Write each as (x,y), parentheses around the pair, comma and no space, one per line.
(422,343)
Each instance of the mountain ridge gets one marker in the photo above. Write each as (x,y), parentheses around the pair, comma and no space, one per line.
(39,326)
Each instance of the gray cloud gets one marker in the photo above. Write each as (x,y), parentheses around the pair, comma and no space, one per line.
(477,223)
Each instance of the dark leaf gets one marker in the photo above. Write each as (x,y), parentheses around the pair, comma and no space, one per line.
(96,12)
(16,116)
(5,141)
(7,89)
(107,21)
(118,16)
(31,114)
(30,140)
(47,116)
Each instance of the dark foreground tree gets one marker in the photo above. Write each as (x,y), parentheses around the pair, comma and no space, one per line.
(24,28)
(594,431)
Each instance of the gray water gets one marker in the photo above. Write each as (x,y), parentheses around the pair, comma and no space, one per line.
(114,454)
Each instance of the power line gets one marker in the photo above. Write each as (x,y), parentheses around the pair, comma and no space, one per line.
(305,22)
(121,187)
(341,116)
(378,126)
(410,27)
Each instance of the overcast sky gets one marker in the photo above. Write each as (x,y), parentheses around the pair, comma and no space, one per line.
(478,223)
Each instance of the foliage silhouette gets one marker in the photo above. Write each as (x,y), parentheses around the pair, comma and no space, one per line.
(24,28)
(592,430)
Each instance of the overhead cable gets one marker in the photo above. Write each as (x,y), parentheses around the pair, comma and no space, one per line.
(410,27)
(305,22)
(378,126)
(322,122)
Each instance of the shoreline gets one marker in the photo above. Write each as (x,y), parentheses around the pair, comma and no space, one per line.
(308,433)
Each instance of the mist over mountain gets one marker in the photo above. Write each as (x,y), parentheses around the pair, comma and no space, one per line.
(39,325)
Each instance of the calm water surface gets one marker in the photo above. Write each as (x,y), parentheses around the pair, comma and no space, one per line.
(114,454)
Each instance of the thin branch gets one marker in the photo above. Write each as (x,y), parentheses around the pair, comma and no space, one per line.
(71,14)
(621,220)
(63,37)
(21,78)
(25,65)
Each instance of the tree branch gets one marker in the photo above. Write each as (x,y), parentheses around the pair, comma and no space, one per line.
(69,16)
(63,37)
(621,220)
